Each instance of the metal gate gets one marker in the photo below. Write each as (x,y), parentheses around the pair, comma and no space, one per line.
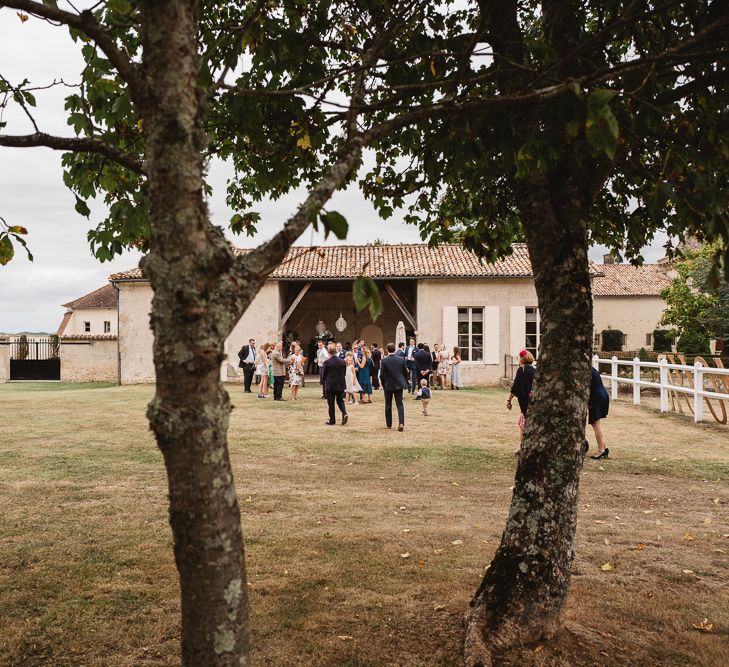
(35,359)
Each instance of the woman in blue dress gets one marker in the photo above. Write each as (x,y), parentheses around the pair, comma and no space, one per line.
(598,406)
(364,375)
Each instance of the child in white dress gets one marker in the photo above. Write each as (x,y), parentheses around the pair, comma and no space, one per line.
(353,387)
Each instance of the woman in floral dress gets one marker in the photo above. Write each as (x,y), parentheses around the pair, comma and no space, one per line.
(296,370)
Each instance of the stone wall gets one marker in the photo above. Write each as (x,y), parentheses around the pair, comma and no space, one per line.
(635,316)
(4,360)
(89,359)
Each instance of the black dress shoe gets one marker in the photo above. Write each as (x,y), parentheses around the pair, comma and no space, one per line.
(330,423)
(345,419)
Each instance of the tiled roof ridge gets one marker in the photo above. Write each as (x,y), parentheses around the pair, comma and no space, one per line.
(71,337)
(106,293)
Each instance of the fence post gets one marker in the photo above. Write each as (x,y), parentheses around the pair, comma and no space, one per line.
(636,380)
(596,362)
(664,383)
(614,378)
(698,389)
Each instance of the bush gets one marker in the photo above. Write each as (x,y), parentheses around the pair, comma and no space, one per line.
(643,354)
(612,340)
(662,340)
(23,347)
(693,342)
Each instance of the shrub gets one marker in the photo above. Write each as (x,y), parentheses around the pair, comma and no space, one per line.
(693,342)
(643,354)
(55,346)
(662,340)
(23,347)
(612,340)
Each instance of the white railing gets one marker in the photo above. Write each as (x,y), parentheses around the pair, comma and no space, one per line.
(678,378)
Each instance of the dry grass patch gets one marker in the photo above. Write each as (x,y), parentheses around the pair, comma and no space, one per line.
(87,575)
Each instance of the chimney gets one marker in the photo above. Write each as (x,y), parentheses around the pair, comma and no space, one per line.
(608,259)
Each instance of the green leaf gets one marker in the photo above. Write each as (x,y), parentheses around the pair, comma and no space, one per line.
(602,131)
(335,223)
(6,249)
(366,295)
(574,88)
(119,6)
(82,208)
(599,98)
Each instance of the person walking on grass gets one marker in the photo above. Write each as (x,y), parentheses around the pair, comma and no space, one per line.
(598,406)
(296,370)
(522,389)
(352,386)
(394,378)
(333,374)
(424,394)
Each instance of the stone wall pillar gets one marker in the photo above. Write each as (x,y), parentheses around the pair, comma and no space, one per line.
(4,359)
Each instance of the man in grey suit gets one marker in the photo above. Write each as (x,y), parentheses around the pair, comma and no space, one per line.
(394,378)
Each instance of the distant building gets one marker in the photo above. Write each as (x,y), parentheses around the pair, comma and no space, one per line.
(94,314)
(444,294)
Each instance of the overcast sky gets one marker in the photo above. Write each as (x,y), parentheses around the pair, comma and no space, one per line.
(32,194)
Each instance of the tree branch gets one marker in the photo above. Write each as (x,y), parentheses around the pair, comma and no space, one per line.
(88,24)
(74,144)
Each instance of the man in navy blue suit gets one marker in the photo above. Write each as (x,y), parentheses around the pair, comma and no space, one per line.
(423,364)
(333,372)
(394,378)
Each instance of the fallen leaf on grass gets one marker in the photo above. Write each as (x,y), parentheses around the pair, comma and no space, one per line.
(707,521)
(249,499)
(719,551)
(250,585)
(437,551)
(647,511)
(406,530)
(606,567)
(716,501)
(421,564)
(606,541)
(599,522)
(439,607)
(345,638)
(455,543)
(405,555)
(704,626)
(687,571)
(654,460)
(641,546)
(539,649)
(687,537)
(454,483)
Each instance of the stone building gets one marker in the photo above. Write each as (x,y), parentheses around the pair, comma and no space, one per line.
(445,295)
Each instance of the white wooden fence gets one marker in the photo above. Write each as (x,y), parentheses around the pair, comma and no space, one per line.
(682,379)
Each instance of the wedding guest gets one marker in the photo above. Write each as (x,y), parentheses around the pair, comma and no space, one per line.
(364,375)
(423,362)
(352,386)
(247,361)
(278,370)
(598,406)
(522,389)
(401,350)
(394,378)
(334,384)
(410,352)
(296,370)
(340,351)
(456,382)
(262,364)
(443,368)
(376,360)
(424,395)
(321,356)
(434,378)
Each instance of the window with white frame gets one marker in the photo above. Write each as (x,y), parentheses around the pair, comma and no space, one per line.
(649,339)
(470,333)
(533,329)
(107,326)
(87,327)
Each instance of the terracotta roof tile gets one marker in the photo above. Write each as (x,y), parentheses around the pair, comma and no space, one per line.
(445,261)
(72,337)
(104,297)
(628,280)
(64,323)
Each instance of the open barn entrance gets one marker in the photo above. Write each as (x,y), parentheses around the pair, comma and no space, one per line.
(305,304)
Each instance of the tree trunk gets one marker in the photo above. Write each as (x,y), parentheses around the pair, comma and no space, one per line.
(524,591)
(189,266)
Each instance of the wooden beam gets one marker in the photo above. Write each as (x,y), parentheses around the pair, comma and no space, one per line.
(401,306)
(292,308)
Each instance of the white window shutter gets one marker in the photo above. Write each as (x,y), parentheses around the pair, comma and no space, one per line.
(491,335)
(450,327)
(517,329)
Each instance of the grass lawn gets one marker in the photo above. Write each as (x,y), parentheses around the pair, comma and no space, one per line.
(87,575)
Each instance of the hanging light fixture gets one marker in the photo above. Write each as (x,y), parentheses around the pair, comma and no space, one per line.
(341,323)
(321,327)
